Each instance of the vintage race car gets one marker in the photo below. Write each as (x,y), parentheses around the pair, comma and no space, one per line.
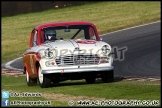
(67,51)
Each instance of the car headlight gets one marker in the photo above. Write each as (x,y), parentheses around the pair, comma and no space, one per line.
(49,53)
(106,49)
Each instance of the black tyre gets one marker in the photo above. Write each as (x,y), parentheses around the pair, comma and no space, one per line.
(29,81)
(43,79)
(108,76)
(90,79)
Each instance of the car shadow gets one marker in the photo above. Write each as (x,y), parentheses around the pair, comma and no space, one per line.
(83,82)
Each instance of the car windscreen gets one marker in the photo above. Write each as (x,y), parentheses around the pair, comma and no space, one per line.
(69,32)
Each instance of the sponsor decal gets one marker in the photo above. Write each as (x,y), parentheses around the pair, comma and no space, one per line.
(86,42)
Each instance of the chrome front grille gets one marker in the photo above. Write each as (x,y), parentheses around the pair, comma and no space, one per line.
(77,59)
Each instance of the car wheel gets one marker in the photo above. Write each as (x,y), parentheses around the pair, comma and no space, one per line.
(44,79)
(108,76)
(55,81)
(30,82)
(90,79)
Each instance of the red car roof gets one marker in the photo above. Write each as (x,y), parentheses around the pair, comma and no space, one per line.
(64,23)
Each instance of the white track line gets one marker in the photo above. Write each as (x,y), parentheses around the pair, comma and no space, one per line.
(130,28)
(8,66)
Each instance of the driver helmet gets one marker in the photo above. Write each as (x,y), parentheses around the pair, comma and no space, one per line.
(51,34)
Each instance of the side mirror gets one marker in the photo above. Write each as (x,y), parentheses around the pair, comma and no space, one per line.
(101,39)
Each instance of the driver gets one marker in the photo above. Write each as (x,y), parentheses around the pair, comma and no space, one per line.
(51,35)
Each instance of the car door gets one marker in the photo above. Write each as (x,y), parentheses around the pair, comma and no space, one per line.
(30,55)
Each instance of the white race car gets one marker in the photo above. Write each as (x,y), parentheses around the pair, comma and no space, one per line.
(62,51)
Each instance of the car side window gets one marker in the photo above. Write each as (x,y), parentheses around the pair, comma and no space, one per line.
(92,33)
(35,41)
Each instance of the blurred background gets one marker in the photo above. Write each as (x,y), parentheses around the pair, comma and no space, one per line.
(11,8)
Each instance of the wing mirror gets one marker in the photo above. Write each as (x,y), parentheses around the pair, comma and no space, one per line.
(101,39)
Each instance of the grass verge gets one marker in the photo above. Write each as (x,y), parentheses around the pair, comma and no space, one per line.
(60,94)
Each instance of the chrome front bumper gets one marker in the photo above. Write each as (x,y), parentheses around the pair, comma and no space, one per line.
(73,70)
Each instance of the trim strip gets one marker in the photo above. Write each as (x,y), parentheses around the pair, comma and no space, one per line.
(72,70)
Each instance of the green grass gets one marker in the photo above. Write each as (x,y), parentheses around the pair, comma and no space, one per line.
(107,16)
(78,89)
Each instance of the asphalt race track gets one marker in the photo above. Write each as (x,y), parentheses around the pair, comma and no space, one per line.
(136,51)
(142,57)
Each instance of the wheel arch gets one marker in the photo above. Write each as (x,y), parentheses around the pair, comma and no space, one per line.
(25,68)
(37,64)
